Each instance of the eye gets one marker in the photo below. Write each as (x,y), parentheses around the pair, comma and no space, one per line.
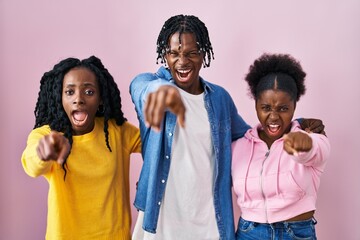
(173,54)
(266,108)
(69,92)
(89,92)
(194,53)
(284,109)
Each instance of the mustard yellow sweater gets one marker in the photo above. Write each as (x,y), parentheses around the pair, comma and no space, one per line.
(93,202)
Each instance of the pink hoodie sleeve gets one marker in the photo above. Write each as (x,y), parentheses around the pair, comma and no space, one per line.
(318,155)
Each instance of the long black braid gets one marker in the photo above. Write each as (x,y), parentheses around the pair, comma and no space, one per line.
(49,109)
(185,24)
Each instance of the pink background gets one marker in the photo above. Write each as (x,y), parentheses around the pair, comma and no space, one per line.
(324,35)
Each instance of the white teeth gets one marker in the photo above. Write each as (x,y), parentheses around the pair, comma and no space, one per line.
(184,71)
(273,125)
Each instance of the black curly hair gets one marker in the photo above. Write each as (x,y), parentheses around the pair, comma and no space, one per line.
(185,24)
(280,71)
(49,109)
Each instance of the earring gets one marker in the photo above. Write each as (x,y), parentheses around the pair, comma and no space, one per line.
(101,109)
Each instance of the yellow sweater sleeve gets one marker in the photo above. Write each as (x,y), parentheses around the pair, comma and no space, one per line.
(32,164)
(132,138)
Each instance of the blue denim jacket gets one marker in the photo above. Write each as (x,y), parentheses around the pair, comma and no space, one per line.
(226,125)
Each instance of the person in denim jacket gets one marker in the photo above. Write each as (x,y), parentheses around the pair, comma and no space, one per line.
(197,203)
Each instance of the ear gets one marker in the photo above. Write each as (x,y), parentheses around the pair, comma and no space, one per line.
(166,60)
(101,104)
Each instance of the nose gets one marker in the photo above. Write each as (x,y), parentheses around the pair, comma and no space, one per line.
(183,59)
(274,115)
(78,99)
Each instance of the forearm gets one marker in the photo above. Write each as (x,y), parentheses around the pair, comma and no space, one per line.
(32,164)
(239,126)
(141,87)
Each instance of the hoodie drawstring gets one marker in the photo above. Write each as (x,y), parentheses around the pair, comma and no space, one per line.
(278,173)
(248,166)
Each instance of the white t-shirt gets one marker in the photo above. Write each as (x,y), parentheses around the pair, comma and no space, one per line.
(187,210)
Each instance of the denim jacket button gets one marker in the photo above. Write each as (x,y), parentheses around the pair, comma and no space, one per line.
(167,156)
(170,134)
(163,181)
(159,203)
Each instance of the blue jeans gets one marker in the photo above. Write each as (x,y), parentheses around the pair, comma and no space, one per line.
(297,230)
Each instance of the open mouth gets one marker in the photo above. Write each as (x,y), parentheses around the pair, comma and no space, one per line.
(273,128)
(183,74)
(79,118)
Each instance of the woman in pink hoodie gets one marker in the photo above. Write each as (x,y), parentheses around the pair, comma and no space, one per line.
(276,166)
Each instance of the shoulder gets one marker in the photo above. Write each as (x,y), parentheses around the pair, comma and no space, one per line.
(246,139)
(129,135)
(149,81)
(43,130)
(126,127)
(146,76)
(38,133)
(213,86)
(216,89)
(162,73)
(142,79)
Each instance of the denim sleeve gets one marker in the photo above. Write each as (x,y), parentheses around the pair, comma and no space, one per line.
(141,86)
(299,120)
(238,124)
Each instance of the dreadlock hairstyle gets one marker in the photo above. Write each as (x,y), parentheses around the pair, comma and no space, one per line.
(49,109)
(185,24)
(276,71)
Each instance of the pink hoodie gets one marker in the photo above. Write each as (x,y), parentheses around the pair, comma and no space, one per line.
(270,184)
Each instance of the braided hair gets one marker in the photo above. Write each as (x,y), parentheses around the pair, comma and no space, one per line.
(49,109)
(280,71)
(185,24)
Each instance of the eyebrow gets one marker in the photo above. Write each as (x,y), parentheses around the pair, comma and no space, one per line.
(86,84)
(176,49)
(278,106)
